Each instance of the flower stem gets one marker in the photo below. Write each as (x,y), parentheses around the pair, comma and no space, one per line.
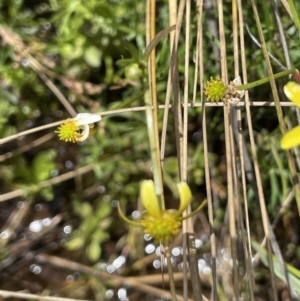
(157,174)
(170,272)
(265,80)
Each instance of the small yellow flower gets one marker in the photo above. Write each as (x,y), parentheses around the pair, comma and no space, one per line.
(79,128)
(215,89)
(292,137)
(161,224)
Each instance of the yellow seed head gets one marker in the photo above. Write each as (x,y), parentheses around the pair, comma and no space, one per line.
(68,131)
(215,89)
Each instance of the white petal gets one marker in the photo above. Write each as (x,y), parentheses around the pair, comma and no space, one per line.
(237,81)
(85,132)
(235,100)
(87,118)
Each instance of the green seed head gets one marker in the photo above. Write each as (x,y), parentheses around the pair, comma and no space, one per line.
(215,89)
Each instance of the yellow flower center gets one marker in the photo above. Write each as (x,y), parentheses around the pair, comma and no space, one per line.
(162,228)
(69,131)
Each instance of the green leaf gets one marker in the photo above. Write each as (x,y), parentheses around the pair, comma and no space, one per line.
(93,251)
(75,243)
(66,50)
(100,236)
(293,273)
(89,225)
(103,210)
(84,210)
(92,56)
(43,165)
(12,98)
(47,193)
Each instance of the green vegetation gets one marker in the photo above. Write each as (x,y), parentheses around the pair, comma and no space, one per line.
(171,113)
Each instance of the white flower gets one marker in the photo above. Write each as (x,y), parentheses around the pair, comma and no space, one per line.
(78,129)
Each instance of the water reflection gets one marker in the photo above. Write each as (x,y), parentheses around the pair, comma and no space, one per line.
(101,189)
(37,225)
(70,278)
(118,262)
(176,251)
(122,294)
(199,243)
(20,204)
(110,269)
(63,242)
(150,248)
(69,164)
(37,113)
(4,234)
(28,123)
(119,186)
(224,260)
(25,62)
(206,270)
(68,229)
(54,173)
(147,237)
(114,203)
(107,198)
(109,294)
(38,207)
(205,238)
(158,251)
(47,25)
(46,221)
(25,109)
(35,269)
(136,214)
